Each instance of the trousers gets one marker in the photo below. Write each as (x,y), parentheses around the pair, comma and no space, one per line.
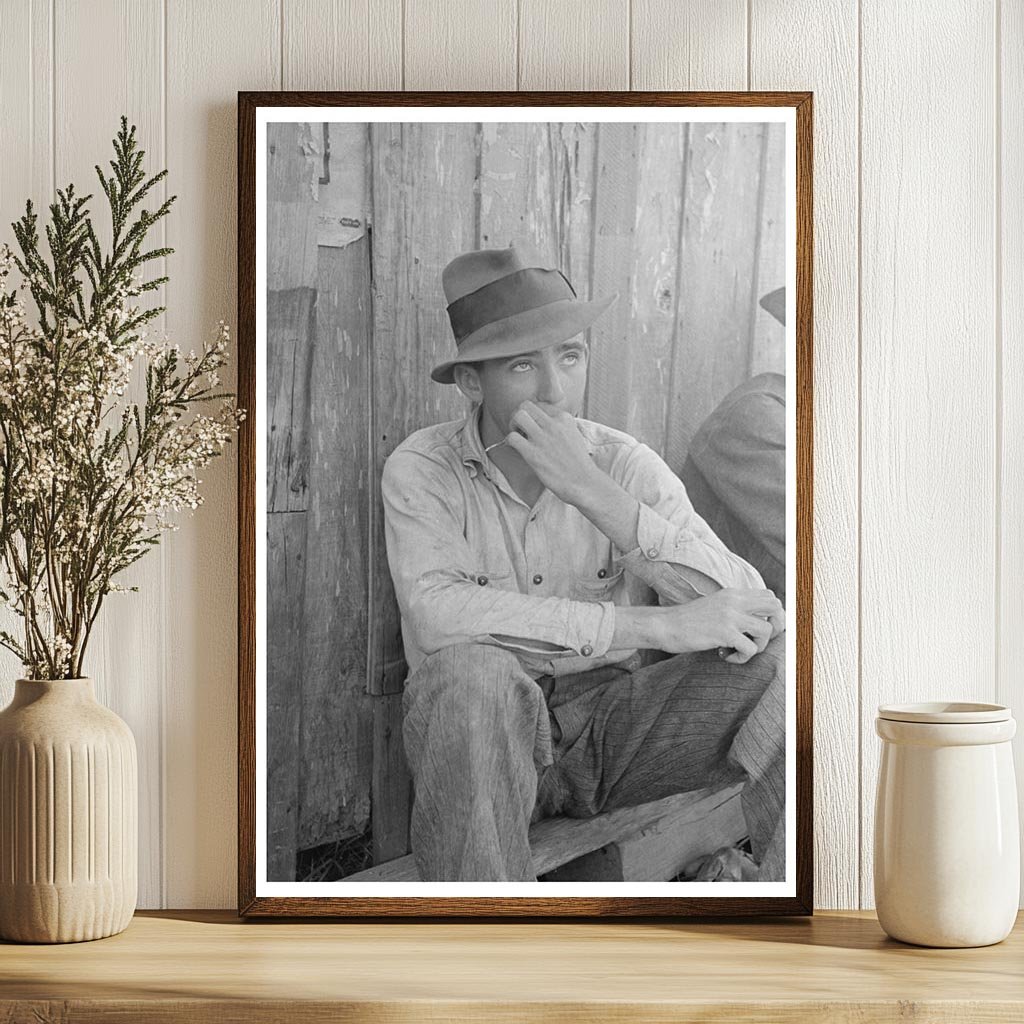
(491,749)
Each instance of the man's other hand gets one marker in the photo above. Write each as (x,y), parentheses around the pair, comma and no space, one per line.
(743,620)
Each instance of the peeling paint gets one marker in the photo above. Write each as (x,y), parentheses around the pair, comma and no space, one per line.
(311,152)
(343,217)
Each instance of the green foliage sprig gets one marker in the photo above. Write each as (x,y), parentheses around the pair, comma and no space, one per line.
(87,478)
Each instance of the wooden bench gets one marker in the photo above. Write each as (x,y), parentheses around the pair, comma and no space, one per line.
(648,843)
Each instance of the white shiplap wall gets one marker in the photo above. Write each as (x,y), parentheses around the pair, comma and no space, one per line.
(919,306)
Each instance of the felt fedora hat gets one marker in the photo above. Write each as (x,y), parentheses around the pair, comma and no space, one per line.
(502,303)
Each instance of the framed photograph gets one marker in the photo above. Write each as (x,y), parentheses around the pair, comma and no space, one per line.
(525,504)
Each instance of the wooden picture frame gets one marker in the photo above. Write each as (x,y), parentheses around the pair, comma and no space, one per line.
(343,277)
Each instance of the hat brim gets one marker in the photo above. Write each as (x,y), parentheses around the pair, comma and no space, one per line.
(528,331)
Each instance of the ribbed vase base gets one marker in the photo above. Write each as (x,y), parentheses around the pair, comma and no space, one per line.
(63,913)
(68,815)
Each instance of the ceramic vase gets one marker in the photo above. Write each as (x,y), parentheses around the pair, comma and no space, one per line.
(68,815)
(947,847)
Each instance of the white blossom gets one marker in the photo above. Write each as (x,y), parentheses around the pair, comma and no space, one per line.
(80,507)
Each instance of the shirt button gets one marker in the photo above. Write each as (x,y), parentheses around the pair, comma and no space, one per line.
(601,573)
(586,650)
(538,578)
(482,580)
(652,552)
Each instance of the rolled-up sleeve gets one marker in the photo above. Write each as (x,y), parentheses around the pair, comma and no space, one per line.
(677,553)
(440,597)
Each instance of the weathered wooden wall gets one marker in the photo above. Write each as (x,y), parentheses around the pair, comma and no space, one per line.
(684,221)
(319,330)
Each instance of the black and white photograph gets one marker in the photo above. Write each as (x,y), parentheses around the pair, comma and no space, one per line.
(525,503)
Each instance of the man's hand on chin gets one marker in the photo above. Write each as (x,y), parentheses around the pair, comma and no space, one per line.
(551,444)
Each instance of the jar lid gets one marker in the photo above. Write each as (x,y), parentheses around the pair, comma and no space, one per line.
(945,712)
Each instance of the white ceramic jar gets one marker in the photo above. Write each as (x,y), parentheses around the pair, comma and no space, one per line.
(947,847)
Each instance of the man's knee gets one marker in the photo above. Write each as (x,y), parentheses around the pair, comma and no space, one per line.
(465,703)
(774,654)
(459,664)
(470,679)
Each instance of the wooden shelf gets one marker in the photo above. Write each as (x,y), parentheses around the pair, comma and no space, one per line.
(201,966)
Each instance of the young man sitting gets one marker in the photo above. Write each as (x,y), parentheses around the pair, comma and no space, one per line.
(534,554)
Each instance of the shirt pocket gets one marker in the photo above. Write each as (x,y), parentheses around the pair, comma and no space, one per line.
(597,587)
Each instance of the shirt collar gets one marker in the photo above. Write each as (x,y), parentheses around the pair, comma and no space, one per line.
(471,447)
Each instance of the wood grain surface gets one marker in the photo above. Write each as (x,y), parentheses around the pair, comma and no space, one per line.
(928,378)
(212,44)
(702,44)
(207,966)
(466,45)
(1010,368)
(831,72)
(131,672)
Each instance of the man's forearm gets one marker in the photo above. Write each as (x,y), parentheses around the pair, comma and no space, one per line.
(443,609)
(616,513)
(642,627)
(611,508)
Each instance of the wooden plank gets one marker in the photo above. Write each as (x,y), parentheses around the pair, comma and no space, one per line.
(292,176)
(555,841)
(391,794)
(348,44)
(659,848)
(129,670)
(558,840)
(928,353)
(208,967)
(26,84)
(575,44)
(286,556)
(650,325)
(470,44)
(424,215)
(1010,656)
(536,190)
(294,165)
(609,381)
(767,345)
(575,151)
(701,44)
(342,191)
(827,64)
(291,330)
(717,275)
(336,739)
(212,51)
(291,243)
(518,197)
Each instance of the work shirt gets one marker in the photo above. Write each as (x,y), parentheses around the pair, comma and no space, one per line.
(474,563)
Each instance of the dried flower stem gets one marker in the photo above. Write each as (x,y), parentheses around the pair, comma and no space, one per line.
(87,478)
